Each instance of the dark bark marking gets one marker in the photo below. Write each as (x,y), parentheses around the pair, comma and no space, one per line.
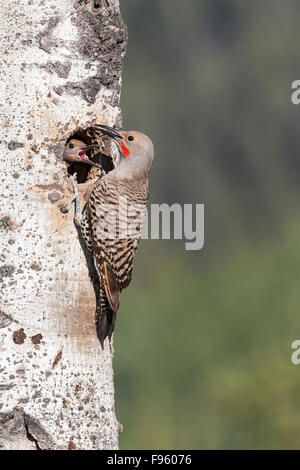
(72,446)
(6,270)
(57,358)
(19,336)
(120,427)
(44,38)
(103,39)
(18,428)
(11,428)
(48,187)
(13,145)
(55,196)
(88,89)
(6,223)
(5,319)
(36,339)
(37,434)
(36,267)
(62,70)
(6,386)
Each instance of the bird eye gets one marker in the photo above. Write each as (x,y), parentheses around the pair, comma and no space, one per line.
(71,146)
(130,138)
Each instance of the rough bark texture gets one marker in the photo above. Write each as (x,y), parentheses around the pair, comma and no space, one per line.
(61,70)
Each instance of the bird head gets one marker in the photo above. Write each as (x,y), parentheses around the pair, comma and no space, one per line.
(136,150)
(75,151)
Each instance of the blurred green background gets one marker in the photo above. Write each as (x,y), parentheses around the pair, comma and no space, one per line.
(203,338)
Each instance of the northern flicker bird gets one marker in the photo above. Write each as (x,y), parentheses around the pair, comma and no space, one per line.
(75,152)
(112,220)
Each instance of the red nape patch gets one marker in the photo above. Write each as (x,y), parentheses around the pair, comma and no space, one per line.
(126,152)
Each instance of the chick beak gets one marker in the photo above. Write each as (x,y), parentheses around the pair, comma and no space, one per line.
(83,156)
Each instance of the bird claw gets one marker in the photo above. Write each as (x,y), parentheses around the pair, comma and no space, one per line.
(76,199)
(73,178)
(77,220)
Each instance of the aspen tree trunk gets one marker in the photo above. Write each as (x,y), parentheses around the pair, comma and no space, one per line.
(61,70)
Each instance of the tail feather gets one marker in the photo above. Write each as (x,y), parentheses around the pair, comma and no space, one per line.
(105,318)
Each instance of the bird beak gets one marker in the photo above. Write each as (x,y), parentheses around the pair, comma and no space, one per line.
(113,133)
(89,162)
(89,147)
(85,159)
(110,131)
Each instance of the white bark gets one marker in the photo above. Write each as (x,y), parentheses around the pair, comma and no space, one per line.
(60,71)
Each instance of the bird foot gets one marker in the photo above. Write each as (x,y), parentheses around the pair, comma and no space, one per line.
(77,216)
